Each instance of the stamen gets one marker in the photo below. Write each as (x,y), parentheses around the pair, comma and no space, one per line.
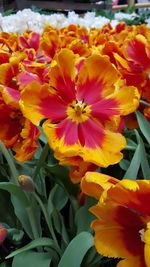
(79,104)
(141,232)
(78,111)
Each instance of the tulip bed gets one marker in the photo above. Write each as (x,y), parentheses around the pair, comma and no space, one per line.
(75,144)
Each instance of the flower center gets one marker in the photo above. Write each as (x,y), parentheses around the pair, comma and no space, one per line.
(78,111)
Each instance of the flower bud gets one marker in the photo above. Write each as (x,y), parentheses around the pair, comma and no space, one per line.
(3,233)
(26,183)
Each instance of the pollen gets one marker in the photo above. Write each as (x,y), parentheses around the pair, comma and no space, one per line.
(78,111)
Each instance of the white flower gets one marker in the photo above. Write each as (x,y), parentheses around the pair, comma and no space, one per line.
(99,22)
(27,19)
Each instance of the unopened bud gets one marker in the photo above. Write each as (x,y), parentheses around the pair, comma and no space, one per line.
(26,183)
(3,233)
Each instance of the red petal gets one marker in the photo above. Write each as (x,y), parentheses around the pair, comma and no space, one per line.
(91,134)
(69,130)
(105,109)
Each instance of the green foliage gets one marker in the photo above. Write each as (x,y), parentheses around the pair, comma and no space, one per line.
(48,227)
(144,126)
(31,258)
(87,218)
(139,159)
(40,242)
(76,250)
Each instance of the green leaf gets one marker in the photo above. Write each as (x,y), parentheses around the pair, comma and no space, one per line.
(72,226)
(144,125)
(30,259)
(16,191)
(21,213)
(61,176)
(5,204)
(131,145)
(37,215)
(20,203)
(83,217)
(59,225)
(76,250)
(124,164)
(53,255)
(144,161)
(57,199)
(133,169)
(40,242)
(42,137)
(3,264)
(92,258)
(139,159)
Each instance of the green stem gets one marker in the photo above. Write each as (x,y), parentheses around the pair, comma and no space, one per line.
(145,103)
(47,219)
(41,160)
(10,162)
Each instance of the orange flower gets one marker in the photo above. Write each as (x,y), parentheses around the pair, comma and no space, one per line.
(135,64)
(30,40)
(122,228)
(78,171)
(9,41)
(10,117)
(8,72)
(16,131)
(50,41)
(26,144)
(3,233)
(4,56)
(78,104)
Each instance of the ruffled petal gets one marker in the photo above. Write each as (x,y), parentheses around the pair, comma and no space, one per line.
(96,79)
(62,75)
(96,148)
(117,231)
(132,194)
(38,102)
(127,99)
(26,146)
(10,96)
(93,183)
(133,262)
